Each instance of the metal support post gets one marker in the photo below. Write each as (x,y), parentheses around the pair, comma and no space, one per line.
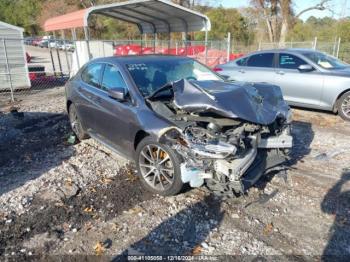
(8,69)
(87,37)
(338,47)
(206,43)
(65,50)
(74,37)
(228,46)
(315,43)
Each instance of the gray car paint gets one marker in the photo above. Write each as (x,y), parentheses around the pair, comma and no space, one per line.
(259,103)
(121,122)
(132,117)
(317,89)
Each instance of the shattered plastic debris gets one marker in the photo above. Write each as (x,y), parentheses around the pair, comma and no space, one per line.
(72,139)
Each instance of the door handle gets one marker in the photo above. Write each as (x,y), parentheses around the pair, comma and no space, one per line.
(241,71)
(280,72)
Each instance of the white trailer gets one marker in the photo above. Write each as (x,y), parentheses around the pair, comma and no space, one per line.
(13,62)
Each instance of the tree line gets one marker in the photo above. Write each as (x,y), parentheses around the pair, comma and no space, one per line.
(262,20)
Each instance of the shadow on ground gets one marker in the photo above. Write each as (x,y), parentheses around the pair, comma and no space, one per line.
(181,233)
(337,203)
(31,143)
(303,136)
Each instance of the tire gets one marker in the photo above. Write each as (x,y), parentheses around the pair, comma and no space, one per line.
(161,172)
(344,106)
(75,123)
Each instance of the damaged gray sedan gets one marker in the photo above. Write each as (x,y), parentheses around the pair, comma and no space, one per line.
(181,122)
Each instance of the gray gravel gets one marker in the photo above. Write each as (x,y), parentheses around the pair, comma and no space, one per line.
(90,200)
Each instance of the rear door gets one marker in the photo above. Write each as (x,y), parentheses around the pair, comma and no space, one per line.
(257,68)
(298,88)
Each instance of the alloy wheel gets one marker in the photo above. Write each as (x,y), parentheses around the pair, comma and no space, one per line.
(345,106)
(156,167)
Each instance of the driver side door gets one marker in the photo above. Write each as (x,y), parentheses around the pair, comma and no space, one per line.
(114,118)
(298,88)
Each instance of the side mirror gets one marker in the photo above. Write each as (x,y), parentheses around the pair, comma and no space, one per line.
(305,68)
(117,93)
(226,77)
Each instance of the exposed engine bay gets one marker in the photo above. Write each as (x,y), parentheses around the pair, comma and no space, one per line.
(227,135)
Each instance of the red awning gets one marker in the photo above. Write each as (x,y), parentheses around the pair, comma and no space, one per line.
(151,16)
(72,20)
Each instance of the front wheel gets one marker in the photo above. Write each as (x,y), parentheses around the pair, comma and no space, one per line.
(344,106)
(158,167)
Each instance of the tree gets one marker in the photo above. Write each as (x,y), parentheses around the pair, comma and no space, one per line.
(280,16)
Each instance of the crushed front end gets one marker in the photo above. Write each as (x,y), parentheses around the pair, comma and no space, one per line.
(225,146)
(229,159)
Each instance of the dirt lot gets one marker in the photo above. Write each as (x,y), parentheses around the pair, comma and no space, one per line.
(80,199)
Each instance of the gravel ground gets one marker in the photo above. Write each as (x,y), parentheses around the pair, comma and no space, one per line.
(81,199)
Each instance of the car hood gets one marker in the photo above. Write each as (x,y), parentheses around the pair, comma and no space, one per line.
(256,103)
(339,72)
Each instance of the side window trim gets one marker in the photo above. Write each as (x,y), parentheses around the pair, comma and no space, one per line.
(99,77)
(118,70)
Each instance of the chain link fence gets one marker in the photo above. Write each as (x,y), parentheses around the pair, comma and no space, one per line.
(32,65)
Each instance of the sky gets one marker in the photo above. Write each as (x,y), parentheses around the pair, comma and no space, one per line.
(341,7)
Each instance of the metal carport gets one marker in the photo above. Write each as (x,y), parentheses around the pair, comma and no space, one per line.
(150,16)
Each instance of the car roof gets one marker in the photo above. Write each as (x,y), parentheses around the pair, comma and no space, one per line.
(139,58)
(291,50)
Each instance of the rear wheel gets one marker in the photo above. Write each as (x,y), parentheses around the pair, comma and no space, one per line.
(344,106)
(158,167)
(76,124)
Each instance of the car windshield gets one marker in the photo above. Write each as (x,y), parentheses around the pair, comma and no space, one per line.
(150,76)
(325,61)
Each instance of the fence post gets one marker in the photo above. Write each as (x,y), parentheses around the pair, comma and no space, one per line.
(259,47)
(8,69)
(338,47)
(228,46)
(315,43)
(65,50)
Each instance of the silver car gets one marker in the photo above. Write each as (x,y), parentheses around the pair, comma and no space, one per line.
(308,78)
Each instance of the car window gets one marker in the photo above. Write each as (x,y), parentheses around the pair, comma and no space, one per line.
(112,78)
(325,61)
(289,61)
(150,75)
(91,74)
(261,60)
(242,61)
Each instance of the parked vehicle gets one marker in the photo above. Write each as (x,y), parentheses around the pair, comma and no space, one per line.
(28,40)
(180,121)
(308,78)
(44,44)
(66,45)
(36,41)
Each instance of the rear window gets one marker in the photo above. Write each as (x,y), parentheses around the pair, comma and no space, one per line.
(261,60)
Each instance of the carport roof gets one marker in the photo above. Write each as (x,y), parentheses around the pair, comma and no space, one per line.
(151,16)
